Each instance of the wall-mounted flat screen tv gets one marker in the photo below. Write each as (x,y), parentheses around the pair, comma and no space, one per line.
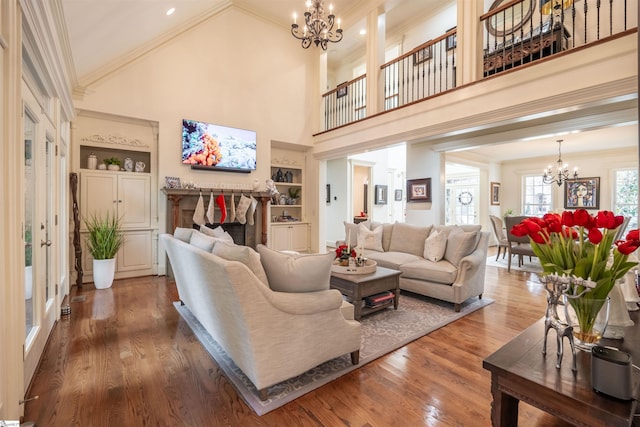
(215,147)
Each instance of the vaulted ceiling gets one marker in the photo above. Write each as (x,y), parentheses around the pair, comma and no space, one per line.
(104,34)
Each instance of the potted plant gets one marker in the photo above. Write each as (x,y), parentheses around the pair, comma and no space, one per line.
(113,163)
(103,242)
(294,193)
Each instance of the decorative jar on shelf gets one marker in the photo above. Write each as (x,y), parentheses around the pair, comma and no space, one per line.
(92,161)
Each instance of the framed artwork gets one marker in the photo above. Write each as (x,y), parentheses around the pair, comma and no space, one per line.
(342,91)
(422,55)
(419,190)
(582,193)
(172,182)
(452,40)
(398,195)
(495,193)
(381,194)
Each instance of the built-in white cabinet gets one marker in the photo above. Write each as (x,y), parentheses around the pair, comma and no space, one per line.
(288,204)
(116,161)
(128,196)
(289,230)
(125,194)
(290,236)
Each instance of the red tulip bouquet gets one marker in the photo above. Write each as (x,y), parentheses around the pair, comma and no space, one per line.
(581,248)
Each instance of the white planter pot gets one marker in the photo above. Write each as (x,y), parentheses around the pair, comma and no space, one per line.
(28,282)
(103,272)
(113,167)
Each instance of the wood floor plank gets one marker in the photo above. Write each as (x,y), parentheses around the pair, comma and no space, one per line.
(125,357)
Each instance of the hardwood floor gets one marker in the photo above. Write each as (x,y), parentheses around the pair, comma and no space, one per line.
(124,357)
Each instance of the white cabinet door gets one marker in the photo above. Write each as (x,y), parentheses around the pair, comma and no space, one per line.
(280,237)
(299,237)
(293,237)
(134,200)
(127,195)
(98,194)
(135,253)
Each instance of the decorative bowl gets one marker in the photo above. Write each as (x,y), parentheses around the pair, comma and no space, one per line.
(368,268)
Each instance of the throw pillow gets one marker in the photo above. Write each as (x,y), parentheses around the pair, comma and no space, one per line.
(202,241)
(460,244)
(370,239)
(435,246)
(351,232)
(409,238)
(296,273)
(243,254)
(217,232)
(183,234)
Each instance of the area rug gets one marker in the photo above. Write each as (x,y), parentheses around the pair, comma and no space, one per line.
(532,266)
(382,332)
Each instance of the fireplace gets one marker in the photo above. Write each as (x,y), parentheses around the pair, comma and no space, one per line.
(182,204)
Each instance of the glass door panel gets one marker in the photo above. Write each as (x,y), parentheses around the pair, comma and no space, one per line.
(29,210)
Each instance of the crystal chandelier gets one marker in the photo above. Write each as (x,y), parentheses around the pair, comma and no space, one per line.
(316,28)
(562,171)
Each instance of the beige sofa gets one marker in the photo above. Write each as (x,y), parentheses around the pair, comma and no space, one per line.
(442,262)
(271,336)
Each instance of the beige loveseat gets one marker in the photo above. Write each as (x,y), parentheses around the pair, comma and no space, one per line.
(271,336)
(442,262)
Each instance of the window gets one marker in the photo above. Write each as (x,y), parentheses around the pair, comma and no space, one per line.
(537,196)
(625,201)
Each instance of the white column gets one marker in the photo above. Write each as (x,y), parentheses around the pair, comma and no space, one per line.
(376,34)
(470,35)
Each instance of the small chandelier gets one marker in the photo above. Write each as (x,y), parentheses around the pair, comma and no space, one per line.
(562,171)
(316,29)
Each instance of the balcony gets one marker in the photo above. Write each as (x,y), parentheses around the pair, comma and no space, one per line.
(515,34)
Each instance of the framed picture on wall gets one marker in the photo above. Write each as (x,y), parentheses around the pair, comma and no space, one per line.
(381,194)
(422,55)
(582,193)
(495,193)
(451,41)
(419,190)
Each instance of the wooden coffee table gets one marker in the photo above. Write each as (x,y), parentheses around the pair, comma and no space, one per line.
(519,372)
(356,287)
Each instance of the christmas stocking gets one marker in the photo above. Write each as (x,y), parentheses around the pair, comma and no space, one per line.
(252,210)
(232,214)
(210,209)
(198,214)
(241,209)
(223,208)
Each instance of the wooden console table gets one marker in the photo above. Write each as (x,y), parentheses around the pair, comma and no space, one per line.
(519,372)
(519,52)
(178,195)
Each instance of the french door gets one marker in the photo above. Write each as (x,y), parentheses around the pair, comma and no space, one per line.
(40,292)
(461,200)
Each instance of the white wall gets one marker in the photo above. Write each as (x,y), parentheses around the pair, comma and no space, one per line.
(337,210)
(216,74)
(594,164)
(423,162)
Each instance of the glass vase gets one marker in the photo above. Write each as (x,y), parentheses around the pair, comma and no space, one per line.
(588,317)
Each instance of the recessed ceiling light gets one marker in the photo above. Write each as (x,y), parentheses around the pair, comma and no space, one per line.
(170,11)
(363,32)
